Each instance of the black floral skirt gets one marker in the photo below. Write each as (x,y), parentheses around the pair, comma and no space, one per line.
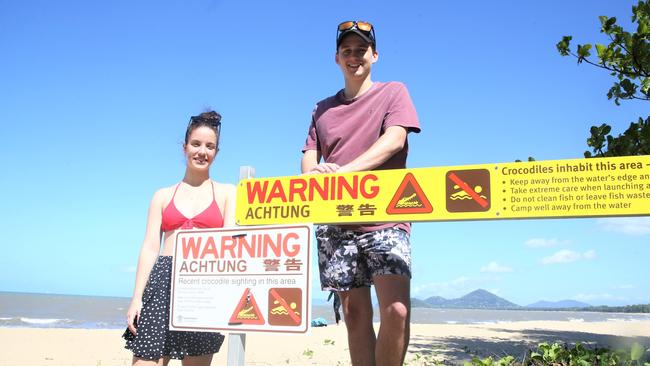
(154,339)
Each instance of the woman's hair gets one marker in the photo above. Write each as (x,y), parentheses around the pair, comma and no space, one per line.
(210,119)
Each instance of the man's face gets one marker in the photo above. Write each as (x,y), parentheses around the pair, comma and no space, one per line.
(355,57)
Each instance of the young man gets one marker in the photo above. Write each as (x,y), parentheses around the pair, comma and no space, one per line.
(364,127)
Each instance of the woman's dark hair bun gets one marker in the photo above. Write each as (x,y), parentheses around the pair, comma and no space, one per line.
(210,116)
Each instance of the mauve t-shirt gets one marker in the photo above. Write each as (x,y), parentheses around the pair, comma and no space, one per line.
(342,129)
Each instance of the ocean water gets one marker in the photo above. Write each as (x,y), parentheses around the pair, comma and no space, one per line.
(71,311)
(61,311)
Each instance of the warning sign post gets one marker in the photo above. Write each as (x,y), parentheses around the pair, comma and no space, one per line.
(617,186)
(242,280)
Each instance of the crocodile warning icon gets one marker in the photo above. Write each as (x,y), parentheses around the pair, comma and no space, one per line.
(246,311)
(409,198)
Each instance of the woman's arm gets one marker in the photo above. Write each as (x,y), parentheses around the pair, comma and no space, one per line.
(148,254)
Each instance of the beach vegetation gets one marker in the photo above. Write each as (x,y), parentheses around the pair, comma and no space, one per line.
(626,57)
(419,359)
(558,354)
(308,353)
(328,342)
(489,361)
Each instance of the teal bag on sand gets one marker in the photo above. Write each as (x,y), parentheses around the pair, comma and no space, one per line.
(318,322)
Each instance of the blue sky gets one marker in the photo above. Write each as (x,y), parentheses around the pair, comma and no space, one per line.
(94,98)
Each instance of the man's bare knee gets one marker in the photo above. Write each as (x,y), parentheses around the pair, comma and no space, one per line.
(396,313)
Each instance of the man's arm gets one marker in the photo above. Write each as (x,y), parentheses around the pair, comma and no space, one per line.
(310,159)
(388,144)
(310,165)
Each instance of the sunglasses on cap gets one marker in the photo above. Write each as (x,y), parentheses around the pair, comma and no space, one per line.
(364,26)
(363,29)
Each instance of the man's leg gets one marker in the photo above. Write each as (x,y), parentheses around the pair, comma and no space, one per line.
(393,293)
(357,313)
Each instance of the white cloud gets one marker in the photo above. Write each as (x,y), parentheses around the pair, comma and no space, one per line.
(568,256)
(456,285)
(626,225)
(545,243)
(426,288)
(625,287)
(601,296)
(563,256)
(590,254)
(460,280)
(494,267)
(130,269)
(589,297)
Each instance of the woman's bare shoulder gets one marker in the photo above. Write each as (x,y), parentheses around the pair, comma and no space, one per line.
(163,195)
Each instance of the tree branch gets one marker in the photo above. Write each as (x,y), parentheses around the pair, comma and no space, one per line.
(640,98)
(638,68)
(609,67)
(602,66)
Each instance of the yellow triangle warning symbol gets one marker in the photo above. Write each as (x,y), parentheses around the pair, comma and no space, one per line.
(409,198)
(246,311)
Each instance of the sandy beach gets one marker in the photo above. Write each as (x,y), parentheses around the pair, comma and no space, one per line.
(324,346)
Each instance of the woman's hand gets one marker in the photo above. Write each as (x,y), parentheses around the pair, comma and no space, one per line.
(133,314)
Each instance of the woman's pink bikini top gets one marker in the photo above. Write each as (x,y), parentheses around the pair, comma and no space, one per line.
(173,219)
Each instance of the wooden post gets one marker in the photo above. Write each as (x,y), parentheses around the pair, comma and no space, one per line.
(237,341)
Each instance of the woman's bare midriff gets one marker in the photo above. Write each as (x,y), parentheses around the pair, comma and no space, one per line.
(168,243)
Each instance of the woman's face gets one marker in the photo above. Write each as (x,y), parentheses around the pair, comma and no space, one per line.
(201,147)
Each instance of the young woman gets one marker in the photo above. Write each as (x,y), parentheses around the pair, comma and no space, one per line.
(195,202)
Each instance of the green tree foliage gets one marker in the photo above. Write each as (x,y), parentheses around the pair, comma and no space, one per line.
(627,58)
(634,141)
(641,308)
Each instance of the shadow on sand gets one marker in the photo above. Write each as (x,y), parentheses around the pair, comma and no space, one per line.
(456,350)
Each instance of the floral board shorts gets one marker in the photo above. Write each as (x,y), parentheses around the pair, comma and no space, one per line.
(350,259)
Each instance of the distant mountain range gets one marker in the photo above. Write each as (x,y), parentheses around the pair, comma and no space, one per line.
(482,299)
(558,304)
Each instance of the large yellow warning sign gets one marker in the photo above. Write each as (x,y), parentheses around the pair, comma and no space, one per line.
(540,189)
